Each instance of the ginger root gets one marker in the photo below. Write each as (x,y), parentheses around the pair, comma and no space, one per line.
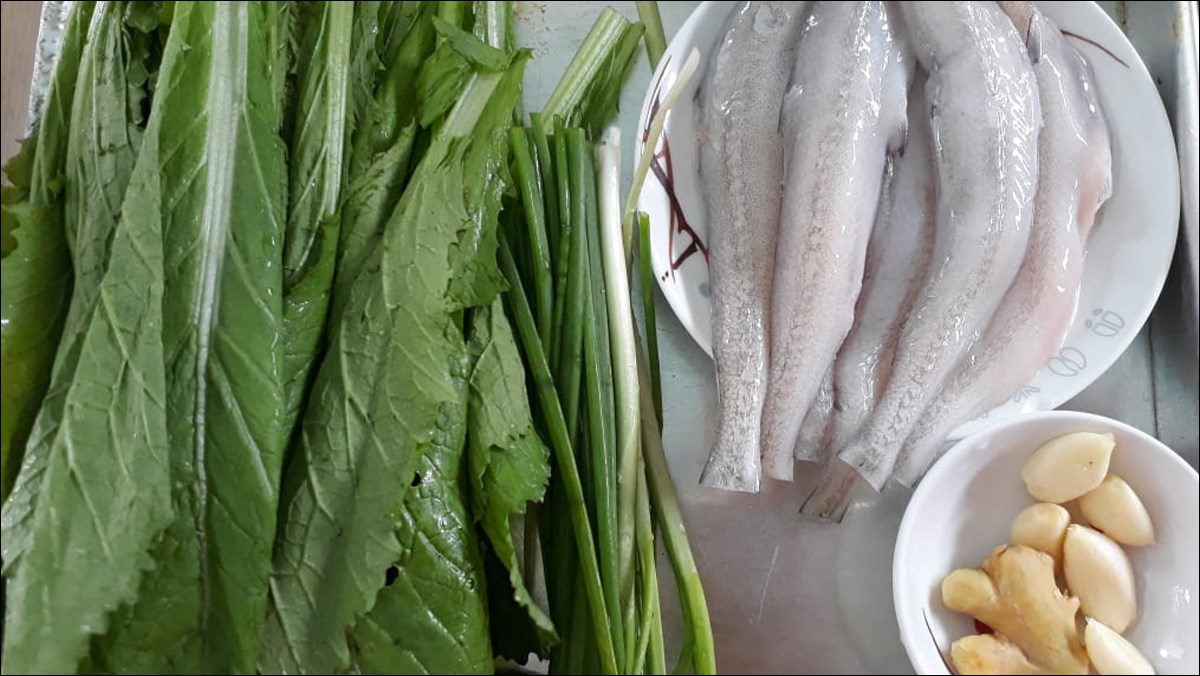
(990,654)
(1015,594)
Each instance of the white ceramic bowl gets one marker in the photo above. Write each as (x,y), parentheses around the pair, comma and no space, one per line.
(1129,251)
(965,506)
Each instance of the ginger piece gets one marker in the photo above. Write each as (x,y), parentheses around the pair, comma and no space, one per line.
(990,654)
(1015,594)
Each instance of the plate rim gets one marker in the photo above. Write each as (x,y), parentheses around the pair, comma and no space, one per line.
(1160,121)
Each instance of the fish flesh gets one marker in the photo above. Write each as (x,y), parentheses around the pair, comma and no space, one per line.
(812,444)
(897,258)
(983,112)
(843,111)
(741,165)
(1074,180)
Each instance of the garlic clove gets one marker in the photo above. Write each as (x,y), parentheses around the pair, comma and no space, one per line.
(1068,466)
(1116,510)
(1111,653)
(1100,575)
(1042,527)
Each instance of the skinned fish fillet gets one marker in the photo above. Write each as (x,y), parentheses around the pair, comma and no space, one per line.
(897,258)
(983,109)
(741,164)
(812,444)
(844,110)
(1074,180)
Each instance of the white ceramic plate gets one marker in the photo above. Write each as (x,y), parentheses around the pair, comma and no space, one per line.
(1129,251)
(964,508)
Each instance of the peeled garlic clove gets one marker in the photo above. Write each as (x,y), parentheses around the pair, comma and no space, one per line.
(1110,653)
(1099,574)
(1042,527)
(1067,467)
(1113,508)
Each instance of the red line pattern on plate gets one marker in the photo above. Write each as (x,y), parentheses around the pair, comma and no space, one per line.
(664,171)
(1095,44)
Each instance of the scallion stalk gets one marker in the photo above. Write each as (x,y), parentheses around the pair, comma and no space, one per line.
(598,379)
(529,186)
(656,41)
(564,457)
(546,166)
(698,627)
(570,361)
(651,615)
(562,254)
(648,315)
(623,340)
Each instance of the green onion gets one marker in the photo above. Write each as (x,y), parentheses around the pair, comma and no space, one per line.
(622,337)
(656,41)
(570,361)
(698,629)
(563,455)
(648,314)
(601,414)
(545,163)
(529,186)
(562,255)
(651,619)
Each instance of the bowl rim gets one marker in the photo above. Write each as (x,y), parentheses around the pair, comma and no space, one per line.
(950,461)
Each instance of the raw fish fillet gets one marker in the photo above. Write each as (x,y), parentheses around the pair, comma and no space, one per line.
(983,110)
(812,444)
(1074,180)
(897,259)
(741,164)
(844,110)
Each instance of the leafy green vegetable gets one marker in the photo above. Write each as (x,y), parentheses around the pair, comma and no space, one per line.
(379,401)
(395,20)
(100,491)
(431,615)
(379,161)
(316,225)
(589,90)
(458,58)
(102,144)
(317,169)
(223,182)
(36,271)
(510,466)
(322,110)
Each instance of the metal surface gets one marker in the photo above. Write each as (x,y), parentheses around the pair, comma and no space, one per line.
(789,596)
